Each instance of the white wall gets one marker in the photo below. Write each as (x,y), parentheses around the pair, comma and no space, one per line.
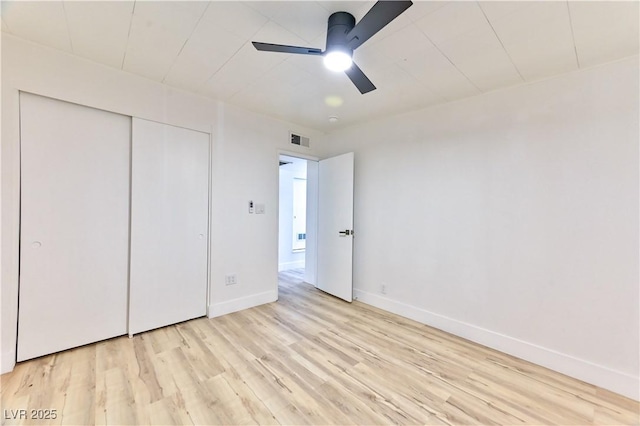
(245,149)
(511,219)
(287,258)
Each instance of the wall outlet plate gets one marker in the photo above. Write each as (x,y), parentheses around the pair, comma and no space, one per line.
(230,279)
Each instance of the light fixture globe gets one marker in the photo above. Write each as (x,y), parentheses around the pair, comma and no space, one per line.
(337,60)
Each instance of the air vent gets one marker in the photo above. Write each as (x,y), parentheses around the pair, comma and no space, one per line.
(299,140)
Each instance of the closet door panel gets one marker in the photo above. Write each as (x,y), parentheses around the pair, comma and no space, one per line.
(169,225)
(74,231)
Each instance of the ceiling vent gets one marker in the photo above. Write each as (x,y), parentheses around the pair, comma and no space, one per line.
(299,140)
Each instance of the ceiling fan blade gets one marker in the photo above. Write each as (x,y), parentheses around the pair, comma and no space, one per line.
(376,19)
(358,78)
(268,47)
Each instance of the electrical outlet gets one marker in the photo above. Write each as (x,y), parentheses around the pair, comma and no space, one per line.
(383,289)
(230,279)
(259,208)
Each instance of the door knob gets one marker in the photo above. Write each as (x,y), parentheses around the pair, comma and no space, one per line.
(201,236)
(345,233)
(36,244)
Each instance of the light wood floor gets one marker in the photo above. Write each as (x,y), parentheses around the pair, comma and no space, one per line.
(307,359)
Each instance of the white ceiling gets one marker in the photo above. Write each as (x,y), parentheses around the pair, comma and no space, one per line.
(433,53)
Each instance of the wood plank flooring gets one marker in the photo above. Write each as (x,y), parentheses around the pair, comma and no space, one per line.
(307,359)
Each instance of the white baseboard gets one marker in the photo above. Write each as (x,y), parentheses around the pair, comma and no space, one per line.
(291,265)
(615,381)
(235,305)
(7,362)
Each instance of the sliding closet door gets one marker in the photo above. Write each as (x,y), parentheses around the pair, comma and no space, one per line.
(74,229)
(169,225)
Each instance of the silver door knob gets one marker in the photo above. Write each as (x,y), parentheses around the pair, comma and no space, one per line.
(36,244)
(201,236)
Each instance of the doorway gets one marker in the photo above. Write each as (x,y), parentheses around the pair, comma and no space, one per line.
(297,218)
(320,253)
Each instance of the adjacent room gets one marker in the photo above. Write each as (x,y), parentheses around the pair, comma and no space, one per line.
(292,210)
(320,212)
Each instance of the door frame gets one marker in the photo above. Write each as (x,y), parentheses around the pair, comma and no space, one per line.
(301,156)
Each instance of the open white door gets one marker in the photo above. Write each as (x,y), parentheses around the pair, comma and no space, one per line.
(335,226)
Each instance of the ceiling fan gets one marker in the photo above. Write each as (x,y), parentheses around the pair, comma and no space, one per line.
(344,36)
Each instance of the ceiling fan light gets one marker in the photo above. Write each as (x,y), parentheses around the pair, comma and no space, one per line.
(337,60)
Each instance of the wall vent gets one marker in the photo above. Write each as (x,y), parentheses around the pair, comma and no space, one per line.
(299,140)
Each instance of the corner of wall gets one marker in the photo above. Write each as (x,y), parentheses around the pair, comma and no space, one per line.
(7,362)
